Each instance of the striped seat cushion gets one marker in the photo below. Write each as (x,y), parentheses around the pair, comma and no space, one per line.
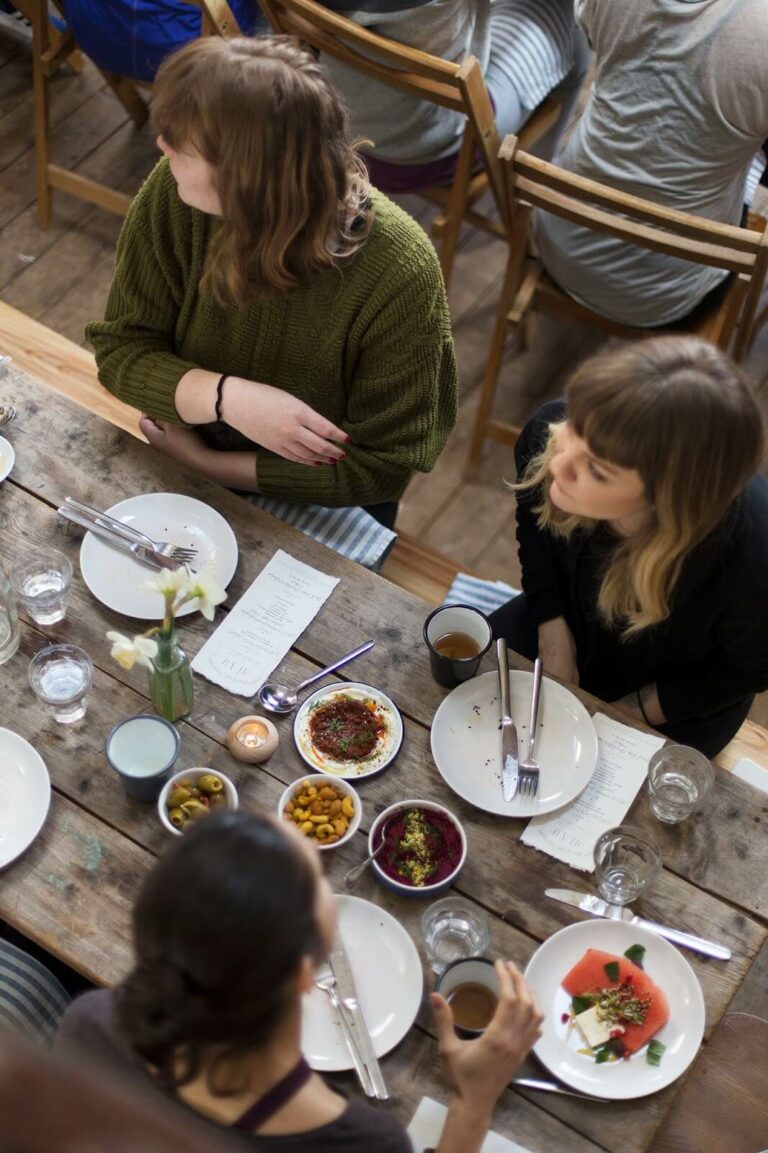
(32,1000)
(353,532)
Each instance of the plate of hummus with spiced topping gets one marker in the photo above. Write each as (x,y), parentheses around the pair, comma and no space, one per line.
(348,730)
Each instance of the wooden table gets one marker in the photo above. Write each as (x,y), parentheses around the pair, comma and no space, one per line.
(73,889)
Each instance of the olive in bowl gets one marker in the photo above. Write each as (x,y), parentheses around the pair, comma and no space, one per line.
(424,851)
(192,795)
(326,810)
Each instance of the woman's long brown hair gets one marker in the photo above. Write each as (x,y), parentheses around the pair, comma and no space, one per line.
(293,190)
(678,411)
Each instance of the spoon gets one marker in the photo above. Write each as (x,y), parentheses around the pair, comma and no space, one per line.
(7,413)
(281,699)
(354,875)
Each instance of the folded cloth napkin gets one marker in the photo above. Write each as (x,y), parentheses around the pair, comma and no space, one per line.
(353,532)
(479,594)
(32,1000)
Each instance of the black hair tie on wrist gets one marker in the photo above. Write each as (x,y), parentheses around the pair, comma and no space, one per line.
(219,397)
(642,709)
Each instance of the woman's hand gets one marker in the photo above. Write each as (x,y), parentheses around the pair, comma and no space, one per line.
(281,423)
(557,650)
(478,1071)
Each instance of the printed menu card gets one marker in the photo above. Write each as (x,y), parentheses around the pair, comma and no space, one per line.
(427,1125)
(569,834)
(258,632)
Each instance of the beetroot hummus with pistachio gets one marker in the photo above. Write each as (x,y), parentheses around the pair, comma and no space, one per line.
(423,847)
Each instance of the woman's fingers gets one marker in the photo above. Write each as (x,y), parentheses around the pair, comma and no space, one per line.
(319,446)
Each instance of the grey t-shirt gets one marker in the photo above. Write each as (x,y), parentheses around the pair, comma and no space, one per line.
(678,109)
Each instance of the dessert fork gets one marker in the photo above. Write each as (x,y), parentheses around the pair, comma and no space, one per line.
(161,547)
(528,782)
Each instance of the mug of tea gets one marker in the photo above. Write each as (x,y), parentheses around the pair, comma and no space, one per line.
(458,637)
(471,988)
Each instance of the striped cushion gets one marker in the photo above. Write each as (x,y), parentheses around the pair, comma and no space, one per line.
(353,532)
(484,595)
(32,1000)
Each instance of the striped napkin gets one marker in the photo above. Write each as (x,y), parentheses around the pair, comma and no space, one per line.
(479,594)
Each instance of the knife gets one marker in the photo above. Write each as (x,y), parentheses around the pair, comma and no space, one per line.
(509,762)
(555,1087)
(350,1008)
(599,908)
(141,552)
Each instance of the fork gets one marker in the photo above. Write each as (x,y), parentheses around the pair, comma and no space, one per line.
(528,781)
(162,547)
(326,981)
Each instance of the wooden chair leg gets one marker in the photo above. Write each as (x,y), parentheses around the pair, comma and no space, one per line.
(128,95)
(454,213)
(37,14)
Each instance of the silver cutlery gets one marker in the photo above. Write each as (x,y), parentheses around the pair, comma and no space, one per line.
(345,984)
(162,547)
(528,782)
(7,413)
(139,551)
(509,762)
(282,699)
(555,1087)
(353,875)
(326,981)
(597,907)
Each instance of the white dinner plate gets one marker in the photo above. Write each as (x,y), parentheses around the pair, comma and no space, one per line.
(25,795)
(389,980)
(7,458)
(388,745)
(466,743)
(557,1047)
(119,581)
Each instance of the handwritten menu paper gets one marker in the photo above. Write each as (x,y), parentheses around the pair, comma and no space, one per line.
(265,622)
(427,1125)
(622,765)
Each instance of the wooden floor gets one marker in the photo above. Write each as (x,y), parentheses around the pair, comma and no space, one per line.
(61,277)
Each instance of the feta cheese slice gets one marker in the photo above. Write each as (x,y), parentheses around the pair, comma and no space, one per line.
(594,1030)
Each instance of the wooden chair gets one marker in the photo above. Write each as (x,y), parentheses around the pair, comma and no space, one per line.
(460,87)
(51,50)
(531,183)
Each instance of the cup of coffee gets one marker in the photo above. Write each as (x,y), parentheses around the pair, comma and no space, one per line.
(471,988)
(143,750)
(458,637)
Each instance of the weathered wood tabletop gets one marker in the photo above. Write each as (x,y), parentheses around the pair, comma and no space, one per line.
(73,889)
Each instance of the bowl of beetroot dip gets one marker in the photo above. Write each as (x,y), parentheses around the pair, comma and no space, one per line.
(425,848)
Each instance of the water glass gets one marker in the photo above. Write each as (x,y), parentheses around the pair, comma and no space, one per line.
(627,861)
(41,583)
(60,677)
(454,929)
(679,779)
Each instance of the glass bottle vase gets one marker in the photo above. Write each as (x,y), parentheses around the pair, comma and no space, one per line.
(170,679)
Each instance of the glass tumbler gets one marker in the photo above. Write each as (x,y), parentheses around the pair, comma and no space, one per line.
(60,677)
(454,929)
(41,583)
(679,779)
(627,861)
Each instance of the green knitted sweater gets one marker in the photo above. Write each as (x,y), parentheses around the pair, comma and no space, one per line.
(367,343)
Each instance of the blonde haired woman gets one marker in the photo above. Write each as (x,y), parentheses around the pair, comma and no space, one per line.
(268,297)
(643,534)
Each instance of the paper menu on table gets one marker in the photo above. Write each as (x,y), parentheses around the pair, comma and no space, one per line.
(258,632)
(569,834)
(427,1125)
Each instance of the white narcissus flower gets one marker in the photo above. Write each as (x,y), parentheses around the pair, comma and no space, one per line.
(205,589)
(128,652)
(175,581)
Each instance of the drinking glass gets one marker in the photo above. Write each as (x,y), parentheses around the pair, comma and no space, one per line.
(60,677)
(627,861)
(453,929)
(41,583)
(679,779)
(143,750)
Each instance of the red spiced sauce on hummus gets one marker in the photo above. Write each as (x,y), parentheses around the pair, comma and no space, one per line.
(423,847)
(346,729)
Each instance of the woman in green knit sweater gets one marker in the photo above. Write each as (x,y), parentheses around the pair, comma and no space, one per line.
(283,326)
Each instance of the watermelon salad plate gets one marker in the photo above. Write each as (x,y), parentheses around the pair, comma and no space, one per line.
(623,1009)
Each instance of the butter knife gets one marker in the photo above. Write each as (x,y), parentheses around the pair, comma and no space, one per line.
(509,761)
(555,1087)
(350,1008)
(141,552)
(599,908)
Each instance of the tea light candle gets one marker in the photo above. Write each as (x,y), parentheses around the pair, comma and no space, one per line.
(252,739)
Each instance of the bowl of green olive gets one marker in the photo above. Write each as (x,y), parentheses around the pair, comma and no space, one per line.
(192,795)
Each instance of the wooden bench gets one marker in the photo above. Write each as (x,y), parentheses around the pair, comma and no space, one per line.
(71,370)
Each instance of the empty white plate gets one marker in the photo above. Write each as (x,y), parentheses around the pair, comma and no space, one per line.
(25,795)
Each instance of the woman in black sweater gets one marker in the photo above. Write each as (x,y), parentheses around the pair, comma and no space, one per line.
(643,534)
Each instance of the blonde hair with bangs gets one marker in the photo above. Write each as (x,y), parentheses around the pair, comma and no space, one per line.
(679,412)
(293,189)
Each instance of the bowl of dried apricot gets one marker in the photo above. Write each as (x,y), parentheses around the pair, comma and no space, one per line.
(325,810)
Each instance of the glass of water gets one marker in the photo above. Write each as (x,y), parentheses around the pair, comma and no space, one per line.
(454,929)
(627,861)
(41,583)
(679,779)
(60,677)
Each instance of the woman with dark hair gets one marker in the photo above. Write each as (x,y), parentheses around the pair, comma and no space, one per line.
(643,534)
(268,297)
(228,928)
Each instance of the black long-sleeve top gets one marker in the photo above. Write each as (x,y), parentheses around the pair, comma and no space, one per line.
(710,652)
